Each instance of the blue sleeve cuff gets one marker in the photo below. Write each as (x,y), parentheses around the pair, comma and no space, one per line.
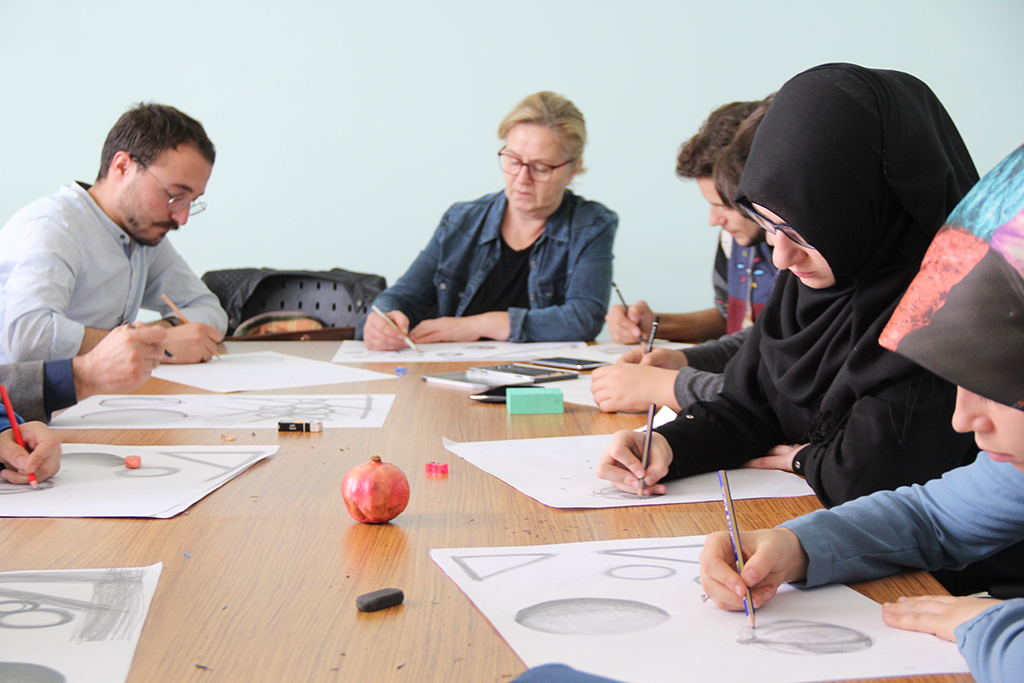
(58,385)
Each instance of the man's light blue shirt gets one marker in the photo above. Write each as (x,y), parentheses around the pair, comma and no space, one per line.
(65,265)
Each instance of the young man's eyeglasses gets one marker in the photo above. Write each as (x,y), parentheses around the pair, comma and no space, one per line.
(177,202)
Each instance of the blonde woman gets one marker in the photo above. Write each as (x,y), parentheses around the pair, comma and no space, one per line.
(531,263)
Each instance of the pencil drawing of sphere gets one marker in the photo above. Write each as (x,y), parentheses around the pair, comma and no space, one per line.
(140,402)
(640,572)
(591,616)
(20,672)
(22,614)
(799,637)
(612,493)
(131,416)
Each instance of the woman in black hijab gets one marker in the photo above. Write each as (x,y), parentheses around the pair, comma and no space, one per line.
(854,171)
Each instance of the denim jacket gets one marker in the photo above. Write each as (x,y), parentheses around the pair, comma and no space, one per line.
(570,269)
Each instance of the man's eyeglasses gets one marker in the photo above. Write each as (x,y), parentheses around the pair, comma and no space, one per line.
(771,227)
(177,202)
(540,172)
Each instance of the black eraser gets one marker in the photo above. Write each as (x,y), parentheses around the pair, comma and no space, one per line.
(378,600)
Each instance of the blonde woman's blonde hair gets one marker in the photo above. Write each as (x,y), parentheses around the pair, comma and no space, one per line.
(557,114)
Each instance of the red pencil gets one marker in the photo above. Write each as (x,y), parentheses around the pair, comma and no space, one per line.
(16,429)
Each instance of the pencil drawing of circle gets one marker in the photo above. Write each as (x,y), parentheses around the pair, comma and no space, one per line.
(591,616)
(640,572)
(140,402)
(250,360)
(147,472)
(449,354)
(94,458)
(135,416)
(798,637)
(25,614)
(22,672)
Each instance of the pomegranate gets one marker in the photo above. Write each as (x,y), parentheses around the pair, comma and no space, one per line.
(375,492)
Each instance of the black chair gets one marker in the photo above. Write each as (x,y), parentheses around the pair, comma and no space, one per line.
(339,298)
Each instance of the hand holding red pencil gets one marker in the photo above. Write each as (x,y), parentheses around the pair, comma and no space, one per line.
(30,452)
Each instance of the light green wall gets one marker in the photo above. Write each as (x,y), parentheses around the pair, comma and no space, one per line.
(344,129)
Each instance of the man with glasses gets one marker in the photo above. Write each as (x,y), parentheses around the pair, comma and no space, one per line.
(79,263)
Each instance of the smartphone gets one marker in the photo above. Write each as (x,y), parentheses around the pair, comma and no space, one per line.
(494,394)
(570,363)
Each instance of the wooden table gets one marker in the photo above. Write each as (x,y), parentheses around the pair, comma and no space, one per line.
(274,563)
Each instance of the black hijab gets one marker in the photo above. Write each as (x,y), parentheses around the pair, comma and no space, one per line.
(864,164)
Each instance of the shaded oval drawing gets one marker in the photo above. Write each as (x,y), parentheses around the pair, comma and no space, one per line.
(800,637)
(250,360)
(640,572)
(130,416)
(591,616)
(21,672)
(9,489)
(139,401)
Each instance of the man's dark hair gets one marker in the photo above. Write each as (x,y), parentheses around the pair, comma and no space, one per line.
(731,160)
(698,154)
(148,129)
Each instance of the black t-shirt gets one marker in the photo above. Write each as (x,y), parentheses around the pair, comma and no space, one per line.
(505,286)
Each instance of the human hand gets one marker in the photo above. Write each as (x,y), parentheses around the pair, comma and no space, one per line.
(935,614)
(773,557)
(491,325)
(621,462)
(41,459)
(191,343)
(379,336)
(628,326)
(670,359)
(121,362)
(778,458)
(633,387)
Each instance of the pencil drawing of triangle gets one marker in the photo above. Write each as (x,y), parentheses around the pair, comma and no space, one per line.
(480,567)
(671,553)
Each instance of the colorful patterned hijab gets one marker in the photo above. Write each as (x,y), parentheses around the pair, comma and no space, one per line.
(963,315)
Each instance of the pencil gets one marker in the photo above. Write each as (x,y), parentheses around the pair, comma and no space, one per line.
(651,409)
(16,429)
(177,311)
(621,298)
(650,337)
(391,322)
(734,535)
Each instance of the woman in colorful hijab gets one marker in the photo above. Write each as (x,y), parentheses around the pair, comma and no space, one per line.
(852,172)
(963,318)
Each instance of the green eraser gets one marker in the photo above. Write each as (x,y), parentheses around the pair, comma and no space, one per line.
(533,400)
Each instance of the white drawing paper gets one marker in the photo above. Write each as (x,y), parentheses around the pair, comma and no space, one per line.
(94,482)
(631,610)
(262,371)
(352,351)
(73,625)
(223,411)
(576,390)
(559,472)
